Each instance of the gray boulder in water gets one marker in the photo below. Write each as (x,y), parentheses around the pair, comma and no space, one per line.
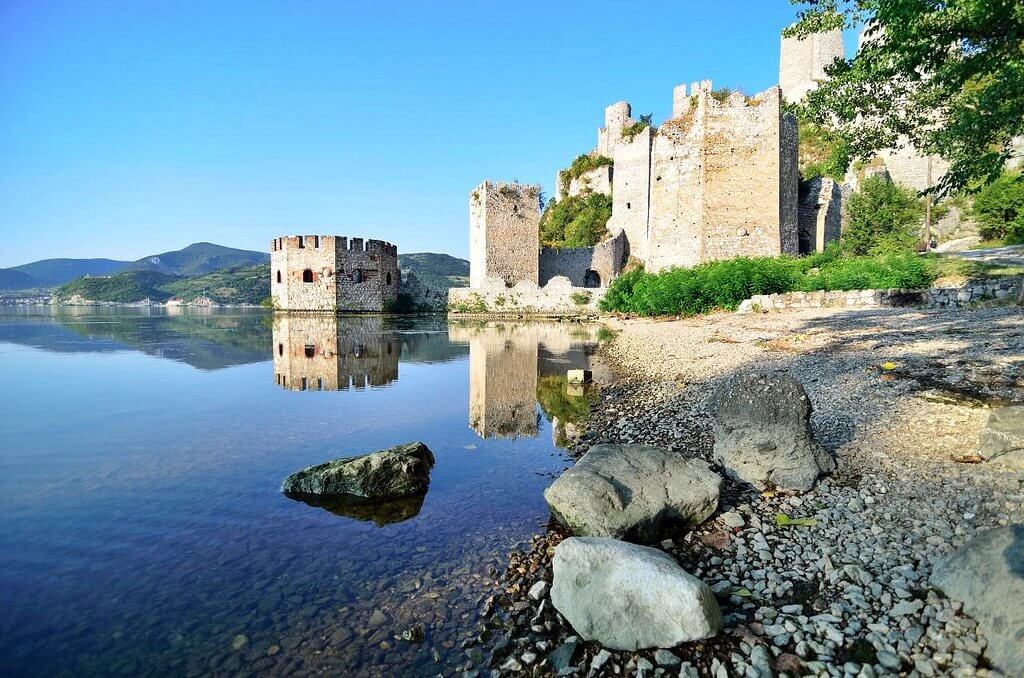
(632,491)
(629,597)
(762,430)
(400,471)
(1002,438)
(987,575)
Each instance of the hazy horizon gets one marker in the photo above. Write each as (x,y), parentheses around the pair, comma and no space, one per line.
(237,123)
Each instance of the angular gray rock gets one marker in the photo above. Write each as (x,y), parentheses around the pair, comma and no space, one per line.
(632,491)
(987,575)
(629,597)
(762,430)
(1002,437)
(400,471)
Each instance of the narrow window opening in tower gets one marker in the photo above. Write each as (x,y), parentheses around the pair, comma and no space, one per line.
(303,388)
(280,349)
(307,276)
(388,277)
(279,276)
(309,350)
(301,242)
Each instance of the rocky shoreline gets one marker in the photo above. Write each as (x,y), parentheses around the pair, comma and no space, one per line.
(899,399)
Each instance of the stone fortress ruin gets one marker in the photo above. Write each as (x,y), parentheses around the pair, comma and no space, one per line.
(718,179)
(333,274)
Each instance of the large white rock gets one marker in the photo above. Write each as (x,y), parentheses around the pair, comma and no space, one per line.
(987,575)
(632,491)
(1002,438)
(628,597)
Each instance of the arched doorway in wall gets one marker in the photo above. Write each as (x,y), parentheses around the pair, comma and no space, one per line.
(307,276)
(591,278)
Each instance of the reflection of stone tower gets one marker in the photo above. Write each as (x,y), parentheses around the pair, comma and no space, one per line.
(328,273)
(504,224)
(323,353)
(802,62)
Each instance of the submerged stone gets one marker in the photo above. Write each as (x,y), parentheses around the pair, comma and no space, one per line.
(400,471)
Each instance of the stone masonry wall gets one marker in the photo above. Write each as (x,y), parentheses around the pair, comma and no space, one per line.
(742,179)
(604,260)
(557,298)
(290,257)
(1007,290)
(630,191)
(326,273)
(802,62)
(504,221)
(598,180)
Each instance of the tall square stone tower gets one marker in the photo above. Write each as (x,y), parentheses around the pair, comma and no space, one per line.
(504,223)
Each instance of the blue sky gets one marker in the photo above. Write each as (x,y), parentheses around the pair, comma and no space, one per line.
(130,128)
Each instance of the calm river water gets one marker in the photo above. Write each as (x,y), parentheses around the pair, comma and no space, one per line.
(141,456)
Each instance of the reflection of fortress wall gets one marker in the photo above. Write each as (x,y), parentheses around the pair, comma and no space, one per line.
(504,362)
(319,353)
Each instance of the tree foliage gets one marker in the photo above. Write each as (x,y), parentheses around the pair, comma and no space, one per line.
(823,152)
(881,217)
(999,208)
(946,76)
(579,221)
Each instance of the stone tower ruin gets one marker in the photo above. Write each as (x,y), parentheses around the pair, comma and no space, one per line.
(332,274)
(504,221)
(802,62)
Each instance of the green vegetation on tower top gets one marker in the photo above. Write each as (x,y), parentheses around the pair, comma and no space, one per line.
(579,221)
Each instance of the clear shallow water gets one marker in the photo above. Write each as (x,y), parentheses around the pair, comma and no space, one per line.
(141,457)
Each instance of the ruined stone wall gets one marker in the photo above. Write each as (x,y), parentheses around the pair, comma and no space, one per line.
(742,205)
(820,214)
(908,167)
(368,276)
(802,62)
(557,298)
(597,180)
(584,266)
(290,258)
(631,190)
(676,194)
(504,220)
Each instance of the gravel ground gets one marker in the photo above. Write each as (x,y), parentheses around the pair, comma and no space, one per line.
(898,394)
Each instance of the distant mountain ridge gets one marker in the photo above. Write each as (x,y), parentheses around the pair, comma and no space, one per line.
(196,259)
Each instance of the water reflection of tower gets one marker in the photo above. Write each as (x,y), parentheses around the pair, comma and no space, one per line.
(502,379)
(327,353)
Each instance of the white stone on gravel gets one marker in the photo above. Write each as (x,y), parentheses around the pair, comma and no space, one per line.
(629,597)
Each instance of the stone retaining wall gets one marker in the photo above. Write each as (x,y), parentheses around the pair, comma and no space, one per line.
(558,298)
(972,291)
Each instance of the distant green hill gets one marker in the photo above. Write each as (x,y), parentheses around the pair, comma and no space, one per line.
(240,285)
(198,259)
(124,287)
(439,271)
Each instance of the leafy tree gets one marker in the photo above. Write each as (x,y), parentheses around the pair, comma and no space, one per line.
(823,152)
(579,221)
(881,217)
(999,208)
(946,75)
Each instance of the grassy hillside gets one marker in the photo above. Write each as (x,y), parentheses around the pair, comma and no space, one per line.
(198,259)
(439,271)
(239,285)
(123,288)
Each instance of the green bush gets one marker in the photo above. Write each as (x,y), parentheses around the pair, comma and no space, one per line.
(724,284)
(579,221)
(882,217)
(999,209)
(689,291)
